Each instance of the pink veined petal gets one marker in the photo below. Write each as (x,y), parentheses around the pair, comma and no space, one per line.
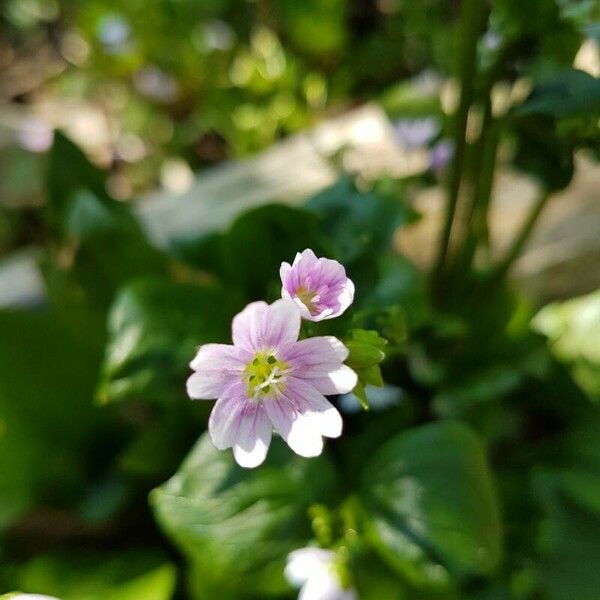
(253,436)
(224,420)
(217,366)
(307,257)
(284,274)
(315,356)
(346,296)
(319,361)
(302,308)
(301,415)
(300,437)
(239,423)
(262,326)
(338,381)
(245,325)
(324,417)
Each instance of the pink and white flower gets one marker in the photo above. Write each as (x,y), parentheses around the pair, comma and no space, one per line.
(269,380)
(319,286)
(313,571)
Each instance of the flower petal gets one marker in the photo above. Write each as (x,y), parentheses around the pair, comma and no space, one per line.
(316,355)
(253,437)
(224,420)
(325,585)
(338,381)
(239,423)
(217,366)
(261,326)
(319,360)
(302,564)
(302,415)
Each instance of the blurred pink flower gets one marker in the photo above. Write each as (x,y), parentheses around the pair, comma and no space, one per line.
(319,286)
(268,379)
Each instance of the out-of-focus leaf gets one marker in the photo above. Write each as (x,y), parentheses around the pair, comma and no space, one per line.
(400,284)
(569,494)
(542,153)
(431,504)
(357,223)
(573,332)
(47,415)
(154,328)
(236,526)
(69,171)
(110,246)
(488,386)
(128,575)
(261,239)
(314,26)
(568,93)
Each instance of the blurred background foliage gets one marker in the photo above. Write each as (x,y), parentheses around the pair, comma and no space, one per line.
(475,473)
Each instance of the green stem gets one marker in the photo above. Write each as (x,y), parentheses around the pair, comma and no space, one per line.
(519,242)
(475,225)
(471,23)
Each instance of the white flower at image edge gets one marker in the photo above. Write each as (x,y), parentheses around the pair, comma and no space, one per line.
(313,571)
(269,380)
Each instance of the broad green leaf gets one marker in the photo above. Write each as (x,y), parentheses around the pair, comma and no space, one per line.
(155,327)
(236,526)
(431,504)
(542,153)
(110,246)
(69,171)
(568,93)
(47,416)
(261,239)
(400,284)
(127,575)
(357,223)
(573,332)
(569,494)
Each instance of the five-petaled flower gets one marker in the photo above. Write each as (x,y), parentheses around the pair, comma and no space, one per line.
(268,379)
(319,286)
(314,571)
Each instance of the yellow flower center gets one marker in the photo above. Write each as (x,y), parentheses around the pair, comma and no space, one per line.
(263,372)
(307,298)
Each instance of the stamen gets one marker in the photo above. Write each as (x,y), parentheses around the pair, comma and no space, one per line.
(263,372)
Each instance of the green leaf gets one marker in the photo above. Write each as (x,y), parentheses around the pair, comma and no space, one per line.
(155,327)
(573,332)
(261,239)
(110,246)
(568,93)
(365,348)
(236,526)
(47,373)
(357,223)
(69,171)
(365,355)
(431,504)
(128,575)
(542,153)
(569,494)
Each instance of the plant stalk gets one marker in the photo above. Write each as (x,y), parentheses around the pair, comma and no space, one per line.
(472,15)
(521,238)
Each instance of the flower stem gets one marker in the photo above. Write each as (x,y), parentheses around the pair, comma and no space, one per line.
(471,23)
(521,238)
(475,223)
